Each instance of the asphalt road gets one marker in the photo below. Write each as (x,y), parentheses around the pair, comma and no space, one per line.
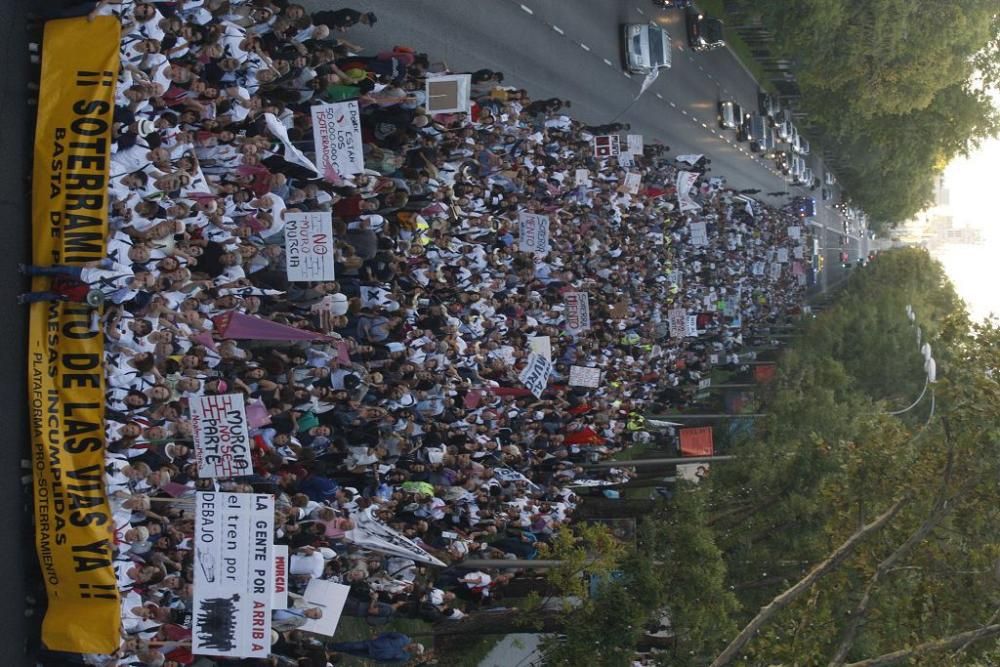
(573,51)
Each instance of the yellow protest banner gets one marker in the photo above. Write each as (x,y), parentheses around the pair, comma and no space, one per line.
(74,531)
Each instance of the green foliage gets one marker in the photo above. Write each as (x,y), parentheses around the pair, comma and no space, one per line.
(828,460)
(894,88)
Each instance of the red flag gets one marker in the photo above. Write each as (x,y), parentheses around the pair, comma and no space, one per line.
(764,373)
(248,327)
(697,441)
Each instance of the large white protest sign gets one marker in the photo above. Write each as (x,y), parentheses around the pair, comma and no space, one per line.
(279,591)
(233,575)
(794,232)
(634,143)
(691,325)
(757,268)
(626,160)
(221,436)
(309,246)
(685,181)
(677,319)
(370,533)
(775,271)
(577,311)
(699,233)
(584,376)
(541,345)
(782,255)
(582,177)
(337,139)
(798,252)
(328,597)
(606,145)
(449,93)
(535,375)
(533,233)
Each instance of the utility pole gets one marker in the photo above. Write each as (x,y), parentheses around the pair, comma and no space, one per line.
(639,463)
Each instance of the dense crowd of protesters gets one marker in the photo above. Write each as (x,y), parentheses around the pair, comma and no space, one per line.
(412,407)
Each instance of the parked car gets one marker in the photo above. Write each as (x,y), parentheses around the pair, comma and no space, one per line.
(804,146)
(770,142)
(759,132)
(830,178)
(727,114)
(742,124)
(703,33)
(784,130)
(793,138)
(646,46)
(807,178)
(767,105)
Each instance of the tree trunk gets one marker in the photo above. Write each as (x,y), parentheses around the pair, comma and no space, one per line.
(784,599)
(955,641)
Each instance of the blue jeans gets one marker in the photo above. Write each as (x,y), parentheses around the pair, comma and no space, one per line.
(358,649)
(54,270)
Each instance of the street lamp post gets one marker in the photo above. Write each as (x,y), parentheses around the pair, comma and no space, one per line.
(930,366)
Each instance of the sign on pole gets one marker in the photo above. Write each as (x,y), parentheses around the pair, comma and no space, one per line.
(535,375)
(699,233)
(634,143)
(533,233)
(329,597)
(691,325)
(279,592)
(541,345)
(577,311)
(677,320)
(337,139)
(221,436)
(309,246)
(584,376)
(450,93)
(233,575)
(607,145)
(685,181)
(632,183)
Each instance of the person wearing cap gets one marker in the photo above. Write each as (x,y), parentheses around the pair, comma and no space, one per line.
(388,647)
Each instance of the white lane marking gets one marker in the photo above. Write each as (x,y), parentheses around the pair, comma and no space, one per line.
(608,63)
(527,9)
(674,106)
(559,30)
(704,126)
(640,11)
(658,96)
(584,47)
(684,111)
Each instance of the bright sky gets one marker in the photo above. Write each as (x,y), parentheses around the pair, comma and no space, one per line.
(974,185)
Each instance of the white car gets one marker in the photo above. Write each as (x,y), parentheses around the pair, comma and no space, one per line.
(646,46)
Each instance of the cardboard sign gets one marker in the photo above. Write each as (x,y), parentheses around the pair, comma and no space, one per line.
(685,181)
(328,597)
(233,575)
(279,591)
(449,93)
(337,139)
(582,177)
(535,375)
(221,436)
(691,325)
(533,233)
(584,376)
(541,345)
(795,232)
(692,472)
(606,145)
(798,252)
(634,143)
(697,441)
(633,182)
(577,311)
(699,233)
(782,255)
(677,319)
(309,246)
